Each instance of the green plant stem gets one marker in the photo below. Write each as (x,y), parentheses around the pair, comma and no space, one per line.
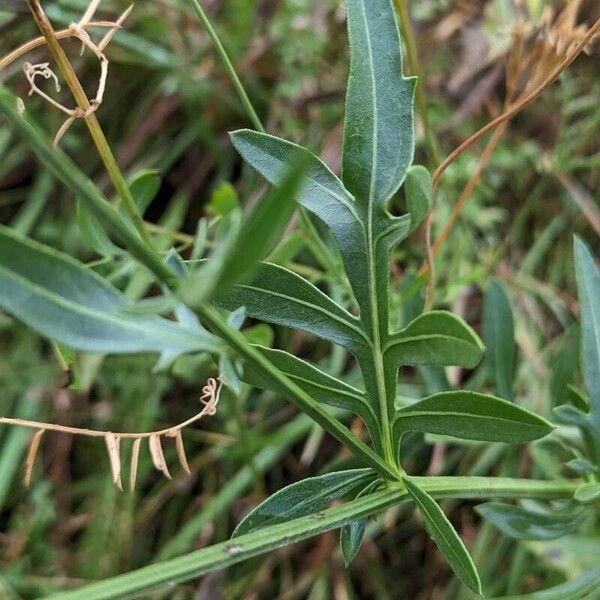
(68,172)
(91,121)
(415,69)
(238,342)
(270,538)
(228,65)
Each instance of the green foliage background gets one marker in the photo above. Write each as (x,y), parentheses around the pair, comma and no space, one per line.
(168,108)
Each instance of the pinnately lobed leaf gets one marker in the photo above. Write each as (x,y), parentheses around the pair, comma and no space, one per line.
(63,300)
(471,416)
(445,536)
(303,498)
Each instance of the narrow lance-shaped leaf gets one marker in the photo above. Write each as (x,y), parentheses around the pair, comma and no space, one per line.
(445,536)
(318,385)
(303,498)
(158,458)
(322,193)
(238,254)
(351,535)
(522,524)
(499,338)
(471,416)
(113,444)
(277,295)
(63,300)
(588,286)
(378,130)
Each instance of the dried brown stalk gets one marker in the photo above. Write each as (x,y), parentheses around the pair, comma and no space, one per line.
(77,31)
(554,52)
(209,398)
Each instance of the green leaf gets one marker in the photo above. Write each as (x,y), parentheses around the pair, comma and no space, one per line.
(262,228)
(93,233)
(436,339)
(277,295)
(318,385)
(223,200)
(62,300)
(471,416)
(445,536)
(499,338)
(581,588)
(521,524)
(378,130)
(418,194)
(351,537)
(144,186)
(588,493)
(588,286)
(323,194)
(303,498)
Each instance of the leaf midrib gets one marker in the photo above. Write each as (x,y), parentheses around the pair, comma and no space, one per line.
(316,307)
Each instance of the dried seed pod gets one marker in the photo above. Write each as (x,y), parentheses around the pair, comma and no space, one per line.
(135,455)
(113,445)
(158,458)
(30,460)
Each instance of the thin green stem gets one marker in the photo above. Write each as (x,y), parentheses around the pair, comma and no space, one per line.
(69,173)
(219,556)
(104,150)
(238,342)
(228,66)
(415,69)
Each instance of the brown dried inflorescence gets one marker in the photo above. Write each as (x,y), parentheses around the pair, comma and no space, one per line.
(79,32)
(209,399)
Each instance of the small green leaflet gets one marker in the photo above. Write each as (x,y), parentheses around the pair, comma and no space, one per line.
(303,498)
(445,536)
(585,587)
(499,337)
(588,286)
(437,339)
(471,416)
(62,300)
(522,524)
(277,295)
(319,386)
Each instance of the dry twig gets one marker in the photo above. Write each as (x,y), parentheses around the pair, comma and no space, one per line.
(209,399)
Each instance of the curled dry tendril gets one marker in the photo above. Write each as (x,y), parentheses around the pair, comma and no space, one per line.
(77,31)
(209,399)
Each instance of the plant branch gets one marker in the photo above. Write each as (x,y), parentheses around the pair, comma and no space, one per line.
(212,34)
(90,119)
(219,556)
